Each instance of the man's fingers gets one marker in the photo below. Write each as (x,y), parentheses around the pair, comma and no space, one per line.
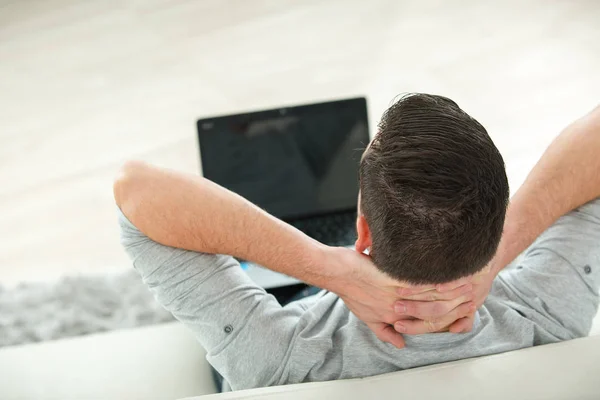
(419,326)
(387,333)
(463,325)
(475,278)
(407,291)
(430,309)
(434,295)
(461,311)
(446,287)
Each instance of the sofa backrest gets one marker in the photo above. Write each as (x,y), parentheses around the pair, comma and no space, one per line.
(567,370)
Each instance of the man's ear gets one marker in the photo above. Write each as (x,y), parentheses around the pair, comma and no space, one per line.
(364,234)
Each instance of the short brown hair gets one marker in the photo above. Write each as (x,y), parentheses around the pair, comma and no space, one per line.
(434,191)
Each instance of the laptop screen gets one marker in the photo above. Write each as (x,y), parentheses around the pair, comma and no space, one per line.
(294,161)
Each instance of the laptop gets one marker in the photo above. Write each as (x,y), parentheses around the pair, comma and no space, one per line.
(298,163)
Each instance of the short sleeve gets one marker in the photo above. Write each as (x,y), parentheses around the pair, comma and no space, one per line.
(559,275)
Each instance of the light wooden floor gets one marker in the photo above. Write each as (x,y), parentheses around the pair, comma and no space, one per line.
(87,84)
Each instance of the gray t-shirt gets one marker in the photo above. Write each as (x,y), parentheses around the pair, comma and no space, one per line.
(549,296)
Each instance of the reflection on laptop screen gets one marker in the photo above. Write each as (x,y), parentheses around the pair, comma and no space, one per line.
(292,162)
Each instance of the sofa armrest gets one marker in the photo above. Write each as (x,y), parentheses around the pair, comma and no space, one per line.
(155,362)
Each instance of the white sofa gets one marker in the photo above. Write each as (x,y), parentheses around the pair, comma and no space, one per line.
(165,362)
(567,370)
(155,362)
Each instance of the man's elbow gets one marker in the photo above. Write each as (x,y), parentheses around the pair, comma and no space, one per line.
(127,184)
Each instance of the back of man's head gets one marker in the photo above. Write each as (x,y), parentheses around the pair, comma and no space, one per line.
(434,192)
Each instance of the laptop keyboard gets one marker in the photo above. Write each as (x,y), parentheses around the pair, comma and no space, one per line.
(333,230)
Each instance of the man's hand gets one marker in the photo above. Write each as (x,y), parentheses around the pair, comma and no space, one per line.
(367,292)
(482,284)
(432,306)
(384,303)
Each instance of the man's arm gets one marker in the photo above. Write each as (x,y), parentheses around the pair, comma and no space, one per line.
(566,177)
(247,335)
(192,213)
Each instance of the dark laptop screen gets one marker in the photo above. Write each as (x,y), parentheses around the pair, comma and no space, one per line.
(293,162)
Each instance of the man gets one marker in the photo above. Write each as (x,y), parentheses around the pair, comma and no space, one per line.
(432,211)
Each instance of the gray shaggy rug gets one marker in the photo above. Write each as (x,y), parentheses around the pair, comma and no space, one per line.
(76,305)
